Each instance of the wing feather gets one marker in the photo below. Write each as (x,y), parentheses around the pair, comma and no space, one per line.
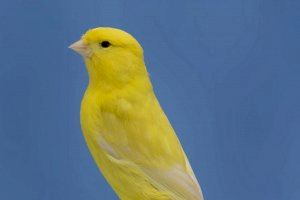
(178,181)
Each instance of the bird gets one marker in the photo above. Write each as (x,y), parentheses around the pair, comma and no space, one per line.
(126,130)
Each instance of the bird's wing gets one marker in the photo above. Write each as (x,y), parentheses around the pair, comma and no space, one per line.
(147,143)
(178,181)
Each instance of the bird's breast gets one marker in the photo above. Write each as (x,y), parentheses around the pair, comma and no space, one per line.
(107,117)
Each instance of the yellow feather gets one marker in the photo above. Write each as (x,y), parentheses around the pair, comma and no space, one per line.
(127,132)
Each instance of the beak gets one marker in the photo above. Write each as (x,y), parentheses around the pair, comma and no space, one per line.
(81,48)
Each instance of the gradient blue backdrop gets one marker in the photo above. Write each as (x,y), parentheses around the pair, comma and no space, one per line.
(226,72)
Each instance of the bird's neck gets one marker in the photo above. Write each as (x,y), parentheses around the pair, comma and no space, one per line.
(137,85)
(108,76)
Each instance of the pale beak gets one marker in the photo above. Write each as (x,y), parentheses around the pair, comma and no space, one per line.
(81,48)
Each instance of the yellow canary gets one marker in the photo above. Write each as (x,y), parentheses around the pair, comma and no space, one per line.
(126,130)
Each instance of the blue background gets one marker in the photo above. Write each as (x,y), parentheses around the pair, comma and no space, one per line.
(226,73)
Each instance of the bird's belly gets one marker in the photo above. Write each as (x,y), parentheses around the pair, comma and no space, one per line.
(127,180)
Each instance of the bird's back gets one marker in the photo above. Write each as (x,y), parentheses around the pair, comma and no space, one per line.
(135,146)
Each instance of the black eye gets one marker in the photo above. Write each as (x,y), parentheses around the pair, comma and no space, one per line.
(105,44)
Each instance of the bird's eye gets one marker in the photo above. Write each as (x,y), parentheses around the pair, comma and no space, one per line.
(105,44)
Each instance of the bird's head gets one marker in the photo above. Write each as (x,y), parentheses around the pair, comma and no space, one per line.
(112,56)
